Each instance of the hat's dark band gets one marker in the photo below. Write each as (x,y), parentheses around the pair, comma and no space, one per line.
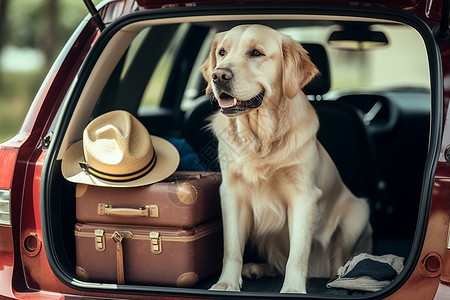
(120,177)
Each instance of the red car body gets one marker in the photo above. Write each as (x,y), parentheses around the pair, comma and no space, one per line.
(25,272)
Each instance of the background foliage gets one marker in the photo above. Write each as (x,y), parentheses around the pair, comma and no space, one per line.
(32,32)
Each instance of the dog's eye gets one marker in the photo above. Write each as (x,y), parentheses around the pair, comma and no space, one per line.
(256,53)
(222,52)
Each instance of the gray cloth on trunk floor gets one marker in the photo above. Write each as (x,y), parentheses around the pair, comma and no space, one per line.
(366,272)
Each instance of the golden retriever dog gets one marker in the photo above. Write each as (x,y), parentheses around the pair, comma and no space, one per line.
(281,191)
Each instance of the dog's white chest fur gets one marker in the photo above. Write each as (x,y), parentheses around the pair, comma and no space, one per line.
(268,206)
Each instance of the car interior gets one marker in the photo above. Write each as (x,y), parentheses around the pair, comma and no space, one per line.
(375,129)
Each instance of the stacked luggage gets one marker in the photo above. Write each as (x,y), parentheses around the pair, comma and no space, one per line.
(167,233)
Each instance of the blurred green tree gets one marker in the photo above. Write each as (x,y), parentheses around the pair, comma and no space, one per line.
(38,26)
(3,9)
(42,24)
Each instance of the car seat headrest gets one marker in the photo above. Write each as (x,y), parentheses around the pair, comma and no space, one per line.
(321,83)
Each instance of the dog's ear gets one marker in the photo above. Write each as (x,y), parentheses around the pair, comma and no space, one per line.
(298,68)
(210,64)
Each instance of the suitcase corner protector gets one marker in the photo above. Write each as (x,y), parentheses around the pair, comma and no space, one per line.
(188,279)
(81,273)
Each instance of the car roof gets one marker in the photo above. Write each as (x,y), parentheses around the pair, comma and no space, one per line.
(399,4)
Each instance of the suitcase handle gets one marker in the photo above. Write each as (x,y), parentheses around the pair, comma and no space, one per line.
(151,211)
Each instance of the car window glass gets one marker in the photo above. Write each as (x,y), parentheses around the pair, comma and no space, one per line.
(400,63)
(155,88)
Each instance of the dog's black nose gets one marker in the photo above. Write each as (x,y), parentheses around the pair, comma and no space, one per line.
(222,75)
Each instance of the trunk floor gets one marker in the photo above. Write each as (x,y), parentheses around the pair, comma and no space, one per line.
(273,285)
(317,286)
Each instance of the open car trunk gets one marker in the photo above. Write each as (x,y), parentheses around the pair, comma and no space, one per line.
(379,135)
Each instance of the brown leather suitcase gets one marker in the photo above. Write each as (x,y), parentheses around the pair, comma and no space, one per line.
(185,199)
(148,255)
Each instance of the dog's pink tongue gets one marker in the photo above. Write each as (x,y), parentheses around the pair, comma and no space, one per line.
(227,102)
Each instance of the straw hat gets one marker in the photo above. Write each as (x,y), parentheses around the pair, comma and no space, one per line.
(118,151)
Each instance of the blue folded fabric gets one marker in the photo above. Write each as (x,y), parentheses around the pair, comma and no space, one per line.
(189,160)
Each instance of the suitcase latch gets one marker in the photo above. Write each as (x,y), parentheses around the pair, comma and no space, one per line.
(155,242)
(118,236)
(99,240)
(154,211)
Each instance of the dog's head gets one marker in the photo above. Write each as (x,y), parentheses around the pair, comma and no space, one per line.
(252,64)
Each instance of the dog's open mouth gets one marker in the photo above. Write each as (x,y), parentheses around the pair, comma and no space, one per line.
(231,105)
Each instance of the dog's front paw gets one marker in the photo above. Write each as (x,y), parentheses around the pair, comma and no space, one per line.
(293,291)
(290,289)
(226,286)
